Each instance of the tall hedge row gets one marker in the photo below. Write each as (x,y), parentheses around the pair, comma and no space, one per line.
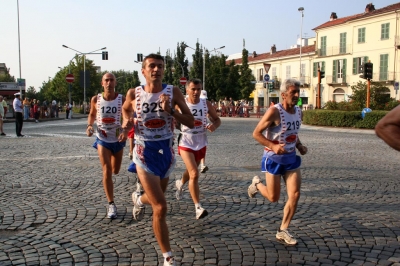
(320,117)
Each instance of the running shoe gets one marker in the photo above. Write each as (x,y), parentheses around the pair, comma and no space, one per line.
(252,190)
(203,168)
(169,261)
(201,213)
(179,189)
(138,211)
(112,211)
(286,237)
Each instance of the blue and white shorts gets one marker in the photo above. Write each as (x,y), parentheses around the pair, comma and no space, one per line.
(114,147)
(269,166)
(155,157)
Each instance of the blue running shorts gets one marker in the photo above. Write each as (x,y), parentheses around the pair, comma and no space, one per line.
(155,157)
(114,147)
(269,166)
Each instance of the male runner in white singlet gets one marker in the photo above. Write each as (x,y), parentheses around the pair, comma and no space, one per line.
(153,154)
(193,142)
(106,109)
(277,132)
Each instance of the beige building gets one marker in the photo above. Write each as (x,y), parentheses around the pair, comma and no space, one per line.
(340,47)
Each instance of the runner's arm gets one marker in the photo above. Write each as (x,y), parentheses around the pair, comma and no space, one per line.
(91,116)
(270,118)
(127,110)
(184,116)
(214,118)
(388,128)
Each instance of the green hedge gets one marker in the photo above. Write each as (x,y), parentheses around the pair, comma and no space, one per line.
(342,118)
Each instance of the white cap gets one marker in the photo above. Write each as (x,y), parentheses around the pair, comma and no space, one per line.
(17,94)
(203,94)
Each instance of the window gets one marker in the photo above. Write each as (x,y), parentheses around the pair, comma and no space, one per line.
(383,67)
(342,43)
(357,64)
(338,95)
(315,68)
(260,73)
(288,75)
(361,35)
(273,72)
(385,31)
(323,46)
(303,70)
(339,71)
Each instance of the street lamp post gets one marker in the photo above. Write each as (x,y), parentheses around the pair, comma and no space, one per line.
(84,72)
(19,51)
(301,9)
(204,51)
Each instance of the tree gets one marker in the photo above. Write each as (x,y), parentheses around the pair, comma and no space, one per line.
(6,77)
(31,93)
(246,77)
(379,96)
(196,71)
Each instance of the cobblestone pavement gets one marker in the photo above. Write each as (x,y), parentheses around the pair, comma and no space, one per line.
(53,208)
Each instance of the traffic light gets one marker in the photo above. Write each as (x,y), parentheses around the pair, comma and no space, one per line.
(104,55)
(322,73)
(270,87)
(367,70)
(140,57)
(265,85)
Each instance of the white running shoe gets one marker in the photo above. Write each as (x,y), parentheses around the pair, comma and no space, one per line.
(286,237)
(252,190)
(201,213)
(203,168)
(179,189)
(112,211)
(137,211)
(170,261)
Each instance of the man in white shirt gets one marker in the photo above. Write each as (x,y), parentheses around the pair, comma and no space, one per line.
(19,119)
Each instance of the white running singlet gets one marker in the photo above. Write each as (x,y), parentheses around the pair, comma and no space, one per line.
(108,118)
(195,138)
(152,123)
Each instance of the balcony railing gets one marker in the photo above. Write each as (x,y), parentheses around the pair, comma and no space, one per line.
(334,50)
(304,80)
(335,80)
(384,76)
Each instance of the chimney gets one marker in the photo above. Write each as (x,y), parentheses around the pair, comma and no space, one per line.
(333,16)
(273,49)
(370,7)
(254,54)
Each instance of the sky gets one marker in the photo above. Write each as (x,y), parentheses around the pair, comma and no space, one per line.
(129,27)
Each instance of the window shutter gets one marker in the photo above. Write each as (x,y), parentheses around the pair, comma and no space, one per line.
(323,66)
(334,71)
(315,70)
(355,65)
(344,70)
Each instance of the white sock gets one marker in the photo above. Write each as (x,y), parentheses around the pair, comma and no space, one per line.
(197,205)
(167,254)
(139,202)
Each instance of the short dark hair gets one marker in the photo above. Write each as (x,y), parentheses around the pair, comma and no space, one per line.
(195,81)
(153,56)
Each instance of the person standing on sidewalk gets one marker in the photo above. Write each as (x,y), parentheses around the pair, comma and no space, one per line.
(192,143)
(106,109)
(388,128)
(19,119)
(27,105)
(1,116)
(278,131)
(153,154)
(5,106)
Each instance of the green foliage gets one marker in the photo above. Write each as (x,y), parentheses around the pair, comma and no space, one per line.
(379,96)
(6,77)
(320,117)
(246,77)
(31,93)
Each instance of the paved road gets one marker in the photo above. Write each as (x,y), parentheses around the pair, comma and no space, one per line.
(52,204)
